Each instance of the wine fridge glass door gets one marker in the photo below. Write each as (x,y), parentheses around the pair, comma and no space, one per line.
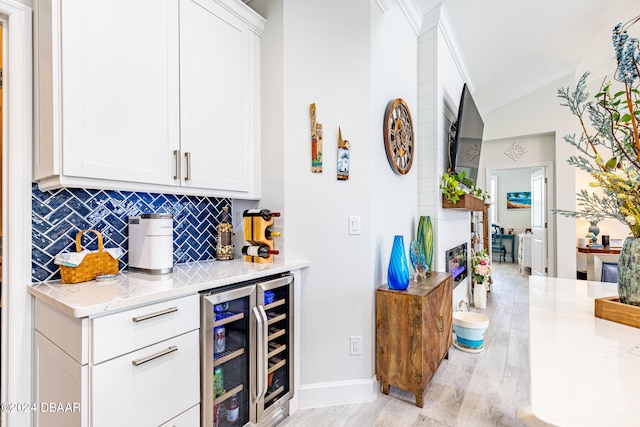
(226,346)
(275,299)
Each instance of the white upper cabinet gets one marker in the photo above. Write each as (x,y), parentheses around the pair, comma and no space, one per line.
(217,110)
(119,89)
(148,95)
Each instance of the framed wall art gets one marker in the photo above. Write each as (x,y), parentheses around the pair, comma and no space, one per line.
(519,200)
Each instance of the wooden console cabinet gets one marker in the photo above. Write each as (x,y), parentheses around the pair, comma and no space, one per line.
(413,333)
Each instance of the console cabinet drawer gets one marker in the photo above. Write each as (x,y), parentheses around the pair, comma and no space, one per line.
(120,333)
(149,386)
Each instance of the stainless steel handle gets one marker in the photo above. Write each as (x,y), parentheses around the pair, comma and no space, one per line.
(187,155)
(177,159)
(265,350)
(164,352)
(156,314)
(276,283)
(260,370)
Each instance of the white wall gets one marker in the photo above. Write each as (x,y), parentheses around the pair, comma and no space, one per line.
(440,82)
(538,148)
(540,113)
(336,54)
(393,196)
(515,175)
(512,180)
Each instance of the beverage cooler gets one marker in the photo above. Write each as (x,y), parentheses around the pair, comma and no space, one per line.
(247,350)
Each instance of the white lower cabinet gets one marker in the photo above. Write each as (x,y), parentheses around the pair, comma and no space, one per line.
(59,380)
(148,386)
(144,384)
(189,418)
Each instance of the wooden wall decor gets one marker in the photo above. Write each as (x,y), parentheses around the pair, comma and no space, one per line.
(398,136)
(344,157)
(316,141)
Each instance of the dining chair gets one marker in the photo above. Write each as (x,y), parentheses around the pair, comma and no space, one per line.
(496,242)
(609,272)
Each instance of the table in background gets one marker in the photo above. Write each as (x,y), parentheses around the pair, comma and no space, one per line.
(595,256)
(511,238)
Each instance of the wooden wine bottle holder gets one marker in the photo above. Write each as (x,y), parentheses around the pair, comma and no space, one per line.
(254,233)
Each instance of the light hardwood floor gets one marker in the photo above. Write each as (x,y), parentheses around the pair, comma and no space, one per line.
(490,388)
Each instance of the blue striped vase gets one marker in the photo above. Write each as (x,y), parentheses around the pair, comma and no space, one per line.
(398,271)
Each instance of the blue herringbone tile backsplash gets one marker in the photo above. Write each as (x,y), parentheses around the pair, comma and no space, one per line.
(57,216)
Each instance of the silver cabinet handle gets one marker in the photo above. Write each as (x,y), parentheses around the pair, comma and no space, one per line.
(161,353)
(260,370)
(156,314)
(187,155)
(177,159)
(265,350)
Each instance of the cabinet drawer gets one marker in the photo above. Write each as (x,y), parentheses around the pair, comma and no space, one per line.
(151,393)
(123,332)
(191,418)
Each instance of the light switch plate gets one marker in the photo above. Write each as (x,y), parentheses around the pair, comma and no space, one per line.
(354,225)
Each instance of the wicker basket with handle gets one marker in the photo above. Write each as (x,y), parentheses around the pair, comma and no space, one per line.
(94,263)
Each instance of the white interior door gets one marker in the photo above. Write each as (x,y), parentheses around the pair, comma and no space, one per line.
(539,222)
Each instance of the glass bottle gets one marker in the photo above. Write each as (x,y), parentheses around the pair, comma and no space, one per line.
(266,214)
(218,381)
(262,251)
(224,248)
(220,339)
(270,234)
(233,410)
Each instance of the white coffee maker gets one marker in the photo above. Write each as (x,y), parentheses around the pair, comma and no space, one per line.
(151,243)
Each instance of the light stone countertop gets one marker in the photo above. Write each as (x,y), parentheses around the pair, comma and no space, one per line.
(584,370)
(132,289)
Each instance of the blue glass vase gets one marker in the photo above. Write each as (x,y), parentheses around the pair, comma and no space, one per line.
(425,239)
(398,271)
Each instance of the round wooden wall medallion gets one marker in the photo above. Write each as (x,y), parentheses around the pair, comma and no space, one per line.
(398,136)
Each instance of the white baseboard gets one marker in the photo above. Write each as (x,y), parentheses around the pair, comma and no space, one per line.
(337,393)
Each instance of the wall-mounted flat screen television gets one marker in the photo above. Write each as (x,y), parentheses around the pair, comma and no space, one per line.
(465,137)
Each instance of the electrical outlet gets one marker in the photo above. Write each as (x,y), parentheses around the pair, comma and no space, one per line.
(355,345)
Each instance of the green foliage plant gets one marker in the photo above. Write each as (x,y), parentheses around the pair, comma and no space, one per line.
(609,148)
(455,184)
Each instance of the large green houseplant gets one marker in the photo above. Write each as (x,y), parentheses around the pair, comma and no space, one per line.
(609,150)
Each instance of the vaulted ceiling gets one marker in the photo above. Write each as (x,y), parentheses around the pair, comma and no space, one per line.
(514,47)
